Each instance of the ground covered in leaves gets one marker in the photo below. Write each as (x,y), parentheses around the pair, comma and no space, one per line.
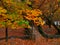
(39,39)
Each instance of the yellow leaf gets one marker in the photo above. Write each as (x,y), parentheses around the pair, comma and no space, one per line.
(13,27)
(1,8)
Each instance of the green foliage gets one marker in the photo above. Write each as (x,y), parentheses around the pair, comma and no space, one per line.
(3,23)
(23,22)
(23,0)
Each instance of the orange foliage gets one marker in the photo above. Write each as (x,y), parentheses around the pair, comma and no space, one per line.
(33,15)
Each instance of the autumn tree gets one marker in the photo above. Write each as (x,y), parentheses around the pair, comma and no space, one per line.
(13,14)
(50,9)
(17,14)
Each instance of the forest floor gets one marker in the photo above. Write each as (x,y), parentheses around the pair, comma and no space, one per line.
(40,40)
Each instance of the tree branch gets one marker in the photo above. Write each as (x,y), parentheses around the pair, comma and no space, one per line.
(42,3)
